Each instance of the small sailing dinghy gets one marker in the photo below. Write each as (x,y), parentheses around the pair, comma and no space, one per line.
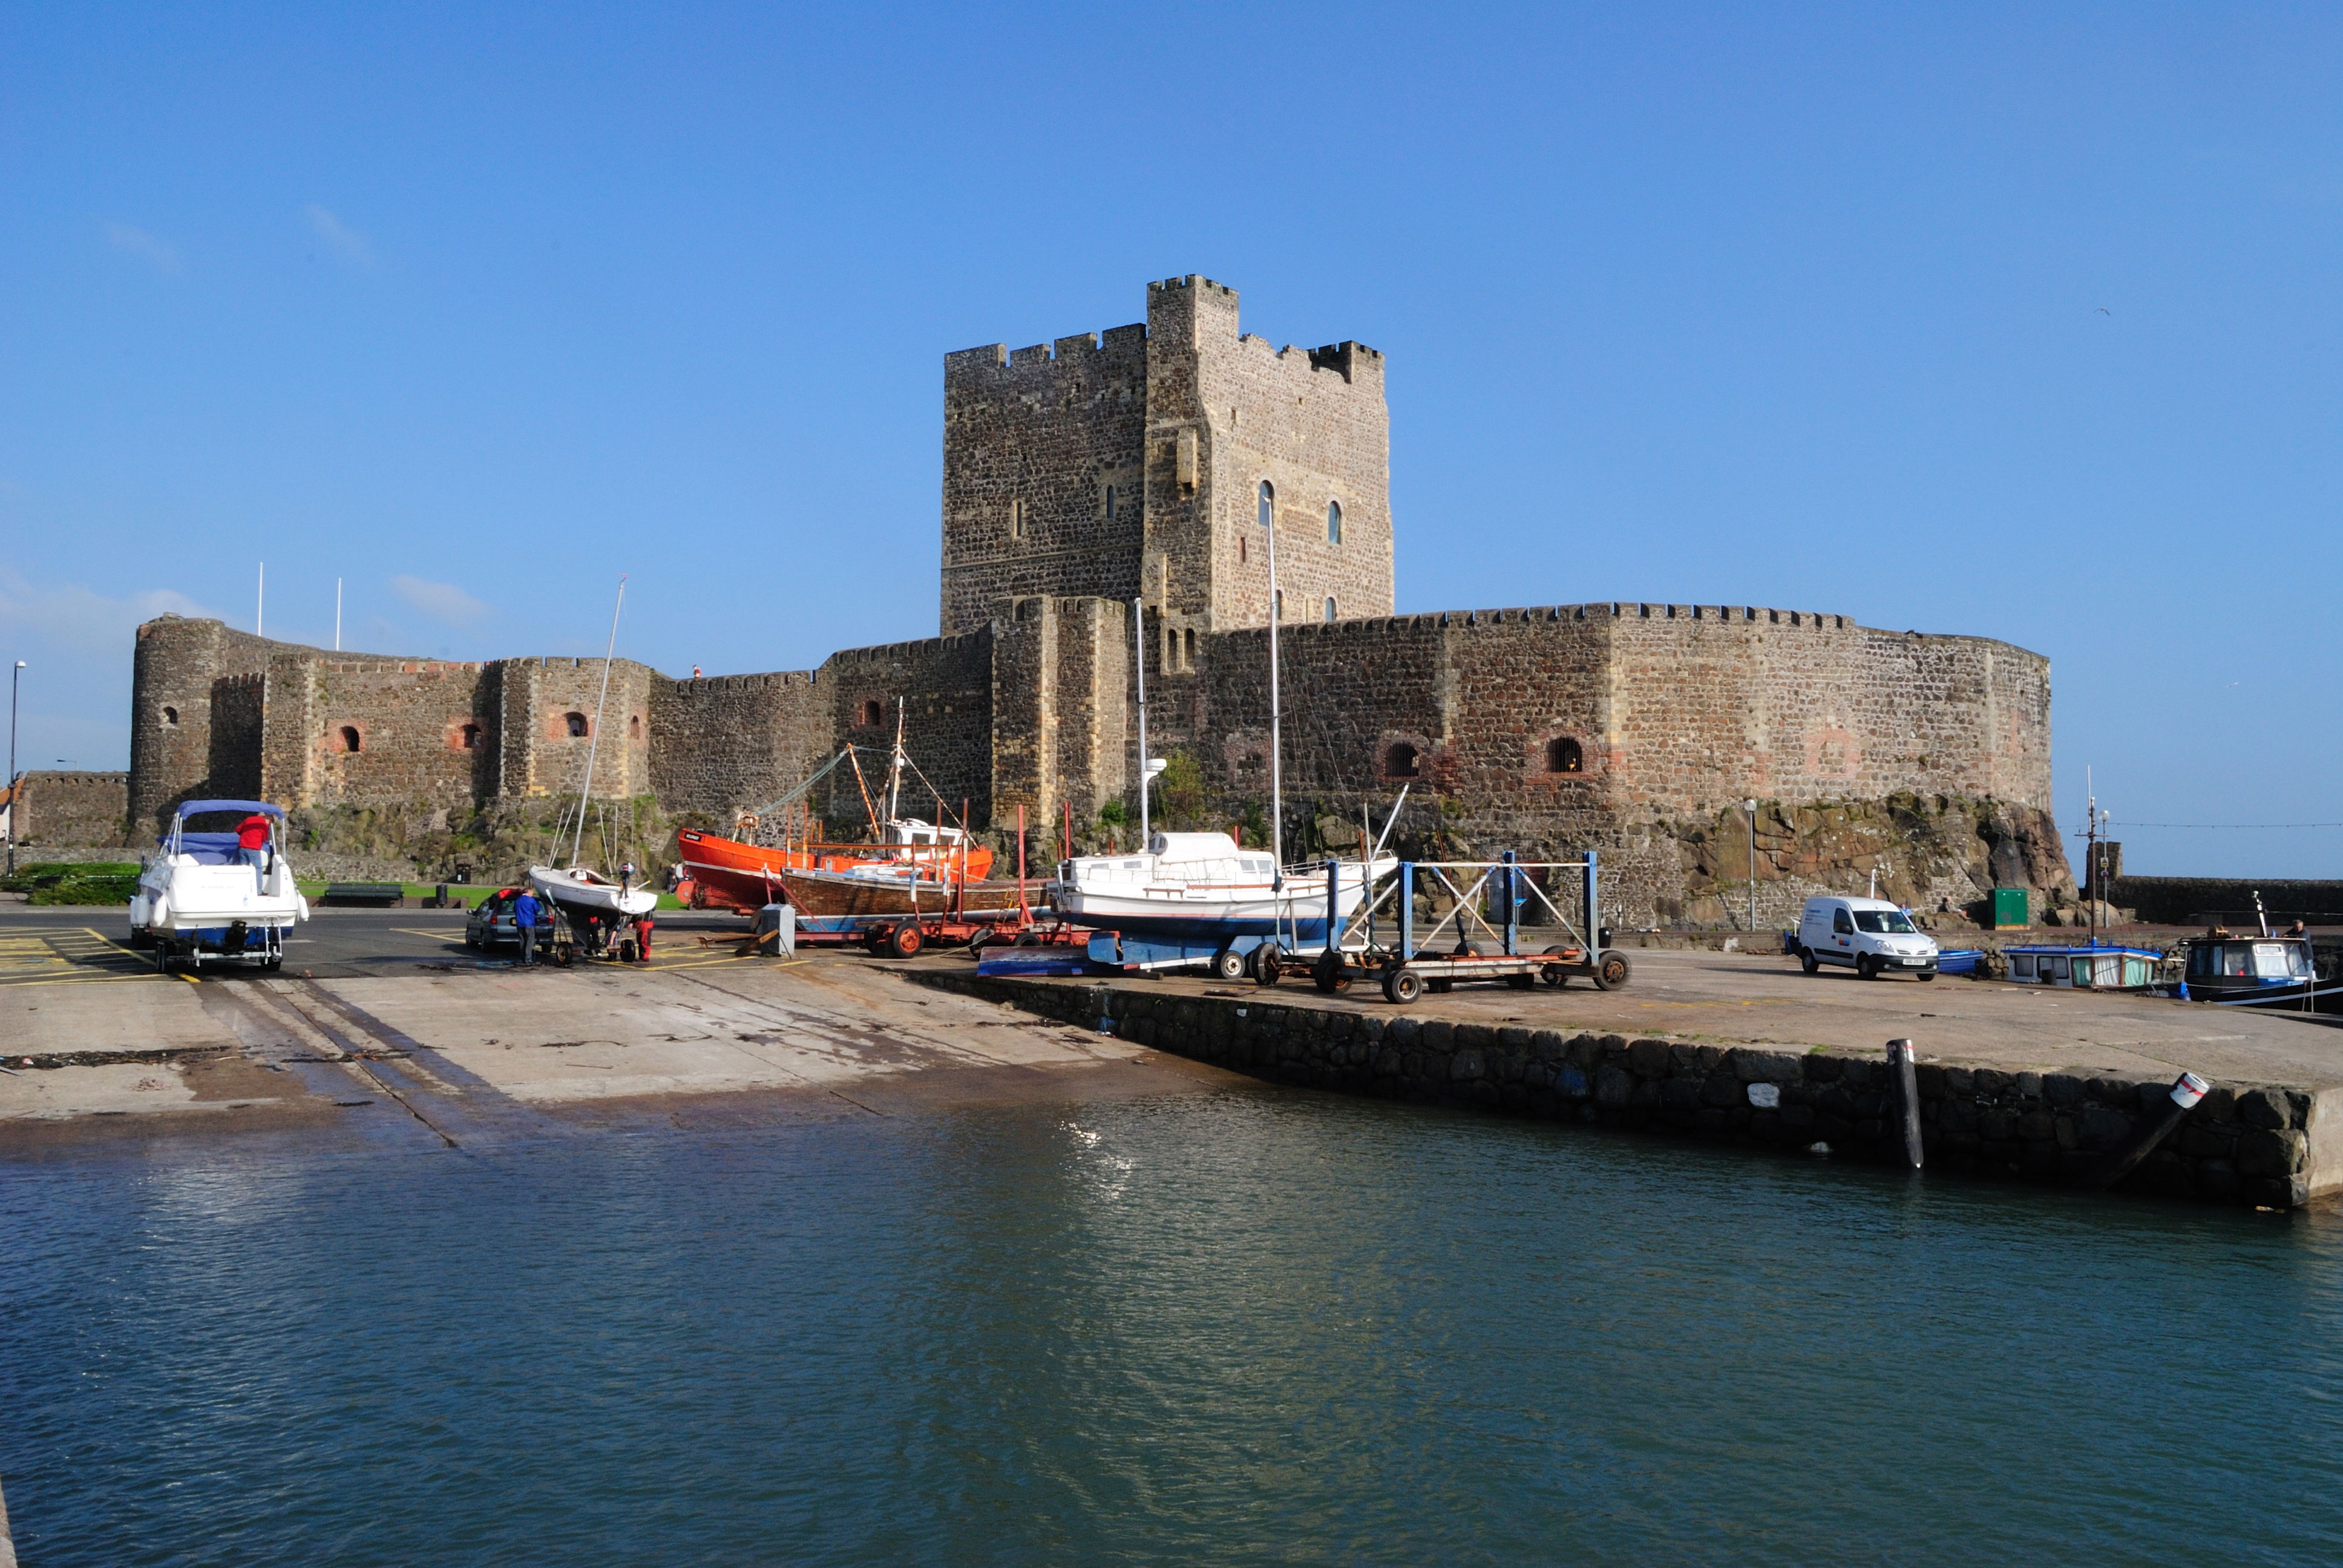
(589,903)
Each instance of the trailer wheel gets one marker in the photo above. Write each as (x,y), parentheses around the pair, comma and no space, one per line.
(1268,964)
(162,956)
(1228,964)
(1554,975)
(1402,986)
(1440,985)
(1612,971)
(1521,982)
(1330,973)
(905,940)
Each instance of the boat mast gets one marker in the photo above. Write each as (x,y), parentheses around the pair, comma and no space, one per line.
(594,740)
(1276,778)
(895,769)
(1139,651)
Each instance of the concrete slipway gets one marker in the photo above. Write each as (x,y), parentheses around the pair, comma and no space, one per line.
(426,1044)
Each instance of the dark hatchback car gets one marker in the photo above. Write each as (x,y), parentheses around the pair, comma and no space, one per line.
(491,920)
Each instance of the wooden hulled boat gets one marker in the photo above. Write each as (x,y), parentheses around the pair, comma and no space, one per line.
(877,892)
(733,874)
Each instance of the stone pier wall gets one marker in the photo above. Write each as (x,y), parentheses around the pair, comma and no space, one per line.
(2276,1146)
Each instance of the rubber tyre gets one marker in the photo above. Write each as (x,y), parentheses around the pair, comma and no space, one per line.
(1402,986)
(1612,969)
(1808,962)
(1229,964)
(1553,976)
(1268,964)
(1440,985)
(1865,969)
(906,940)
(1330,974)
(1926,975)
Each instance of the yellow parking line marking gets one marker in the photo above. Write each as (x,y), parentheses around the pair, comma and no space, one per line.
(6,984)
(191,979)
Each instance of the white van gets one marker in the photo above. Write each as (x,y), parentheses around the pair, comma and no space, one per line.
(1870,936)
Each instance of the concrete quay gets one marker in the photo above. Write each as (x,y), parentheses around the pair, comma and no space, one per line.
(2014,1082)
(449,1052)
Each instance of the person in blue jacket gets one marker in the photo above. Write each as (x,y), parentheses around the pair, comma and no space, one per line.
(524,912)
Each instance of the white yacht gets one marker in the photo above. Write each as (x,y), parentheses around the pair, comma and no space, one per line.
(200,900)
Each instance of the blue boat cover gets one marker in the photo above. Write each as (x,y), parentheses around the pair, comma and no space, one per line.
(209,849)
(196,808)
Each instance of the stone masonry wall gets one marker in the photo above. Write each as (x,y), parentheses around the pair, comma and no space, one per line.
(731,743)
(946,685)
(2275,1145)
(1675,718)
(2188,900)
(1041,472)
(59,808)
(422,733)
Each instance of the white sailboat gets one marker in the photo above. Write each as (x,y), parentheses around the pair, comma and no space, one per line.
(1198,898)
(576,887)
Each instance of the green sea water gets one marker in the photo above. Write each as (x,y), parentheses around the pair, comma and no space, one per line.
(1240,1328)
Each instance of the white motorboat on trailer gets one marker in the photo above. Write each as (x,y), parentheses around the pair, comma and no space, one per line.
(1197,898)
(200,899)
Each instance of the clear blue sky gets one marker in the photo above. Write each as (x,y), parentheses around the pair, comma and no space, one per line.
(2020,322)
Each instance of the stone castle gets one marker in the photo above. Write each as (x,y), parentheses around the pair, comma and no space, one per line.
(1142,472)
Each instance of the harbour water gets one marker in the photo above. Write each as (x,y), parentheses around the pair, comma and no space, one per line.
(1243,1327)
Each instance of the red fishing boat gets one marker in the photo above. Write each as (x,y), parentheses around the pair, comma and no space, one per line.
(907,864)
(733,874)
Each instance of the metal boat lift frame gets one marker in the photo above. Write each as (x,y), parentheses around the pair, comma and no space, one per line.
(1405,971)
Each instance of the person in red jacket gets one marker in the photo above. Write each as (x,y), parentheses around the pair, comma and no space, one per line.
(643,937)
(252,848)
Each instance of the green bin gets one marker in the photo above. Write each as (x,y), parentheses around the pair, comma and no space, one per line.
(2008,907)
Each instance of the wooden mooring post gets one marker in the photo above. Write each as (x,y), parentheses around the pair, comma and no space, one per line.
(1903,1075)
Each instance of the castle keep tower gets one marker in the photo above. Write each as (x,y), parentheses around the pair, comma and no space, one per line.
(1135,463)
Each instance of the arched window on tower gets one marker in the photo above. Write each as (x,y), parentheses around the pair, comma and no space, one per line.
(874,713)
(1268,510)
(634,726)
(349,738)
(575,724)
(1562,756)
(1280,607)
(1330,609)
(170,715)
(1333,522)
(471,737)
(1110,503)
(1399,761)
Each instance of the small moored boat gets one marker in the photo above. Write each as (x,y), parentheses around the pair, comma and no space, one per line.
(2277,972)
(2092,966)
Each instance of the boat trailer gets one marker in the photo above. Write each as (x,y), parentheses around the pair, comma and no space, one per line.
(1412,965)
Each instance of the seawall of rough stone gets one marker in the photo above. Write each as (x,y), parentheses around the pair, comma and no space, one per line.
(2274,1145)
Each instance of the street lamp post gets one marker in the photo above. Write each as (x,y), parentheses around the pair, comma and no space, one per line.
(1751,806)
(15,678)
